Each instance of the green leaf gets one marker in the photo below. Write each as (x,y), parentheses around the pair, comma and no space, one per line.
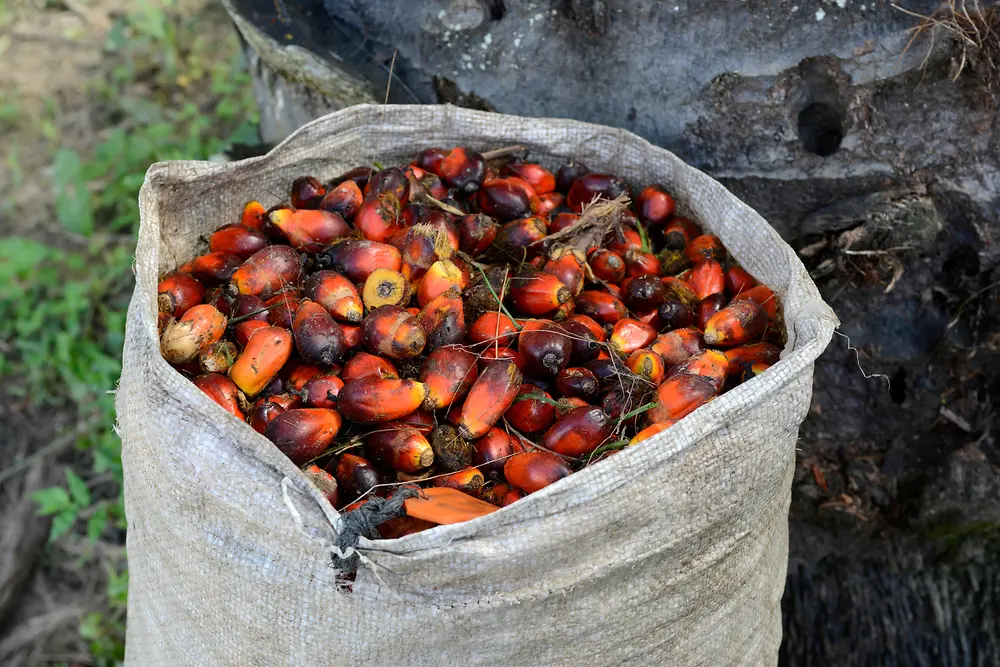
(62,522)
(97,522)
(118,588)
(72,197)
(77,489)
(51,500)
(19,256)
(91,625)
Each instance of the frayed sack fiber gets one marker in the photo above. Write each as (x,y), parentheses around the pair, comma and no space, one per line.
(672,552)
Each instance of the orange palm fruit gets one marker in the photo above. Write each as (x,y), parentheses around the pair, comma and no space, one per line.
(740,357)
(675,315)
(386,287)
(469,481)
(530,415)
(281,309)
(345,199)
(337,294)
(679,396)
(253,216)
(535,293)
(707,278)
(711,364)
(221,390)
(309,230)
(494,493)
(763,296)
(318,338)
(650,431)
(421,246)
(679,232)
(655,205)
(296,373)
(307,192)
(493,327)
(445,505)
(245,329)
(542,180)
(237,240)
(623,240)
(545,348)
(533,471)
(606,265)
(266,408)
(375,400)
(215,268)
(600,306)
(440,277)
(323,481)
(491,354)
(706,246)
(491,451)
(321,391)
(448,373)
(740,322)
(567,265)
(579,382)
(379,217)
(630,335)
(519,238)
(420,419)
(360,176)
(578,432)
(399,447)
(442,320)
(592,325)
(647,364)
(548,203)
(476,233)
(738,281)
(639,263)
(177,293)
(643,293)
(752,371)
(507,198)
(356,476)
(218,357)
(353,336)
(302,434)
(392,332)
(363,365)
(592,186)
(401,526)
(452,452)
(585,346)
(569,403)
(263,356)
(268,271)
(355,259)
(562,221)
(678,345)
(652,318)
(461,169)
(493,392)
(392,180)
(198,327)
(675,289)
(708,307)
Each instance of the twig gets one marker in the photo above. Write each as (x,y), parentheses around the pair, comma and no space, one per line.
(886,251)
(502,152)
(447,208)
(540,398)
(638,411)
(972,298)
(388,83)
(607,447)
(955,419)
(493,292)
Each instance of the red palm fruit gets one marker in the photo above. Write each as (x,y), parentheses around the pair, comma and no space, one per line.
(643,293)
(443,319)
(469,481)
(375,400)
(443,223)
(493,327)
(399,447)
(592,325)
(739,358)
(307,192)
(548,203)
(538,177)
(430,159)
(535,293)
(584,344)
(675,315)
(707,308)
(511,496)
(530,415)
(613,290)
(564,311)
(392,181)
(622,240)
(568,173)
(353,336)
(606,265)
(600,306)
(592,186)
(494,493)
(386,287)
(562,221)
(606,370)
(184,339)
(266,408)
(519,238)
(566,265)
(448,373)
(218,357)
(423,182)
(177,293)
(764,297)
(706,246)
(545,348)
(309,230)
(281,309)
(537,262)
(263,357)
(679,232)
(335,293)
(379,217)
(355,259)
(318,338)
(638,263)
(248,307)
(344,200)
(356,476)
(268,271)
(302,434)
(237,240)
(253,215)
(650,431)
(359,175)
(321,391)
(413,310)
(491,354)
(215,268)
(679,396)
(325,482)
(392,332)
(507,198)
(422,246)
(740,322)
(707,279)
(652,318)
(221,390)
(461,169)
(678,345)
(492,393)
(221,299)
(711,364)
(579,432)
(647,364)
(243,330)
(533,471)
(363,365)
(476,233)
(679,290)
(567,404)
(296,373)
(402,526)
(655,205)
(738,281)
(442,276)
(630,335)
(491,451)
(577,382)
(420,419)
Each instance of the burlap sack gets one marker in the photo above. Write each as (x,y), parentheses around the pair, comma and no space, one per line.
(669,553)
